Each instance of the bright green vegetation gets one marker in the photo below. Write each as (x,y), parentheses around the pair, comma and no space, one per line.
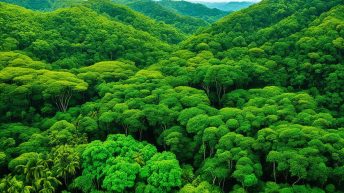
(184,8)
(97,98)
(157,11)
(77,36)
(166,33)
(181,17)
(192,9)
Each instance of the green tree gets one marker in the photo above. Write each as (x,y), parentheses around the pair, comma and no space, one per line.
(66,162)
(10,184)
(162,171)
(120,174)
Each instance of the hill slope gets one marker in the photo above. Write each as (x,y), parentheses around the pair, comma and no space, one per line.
(158,12)
(139,21)
(194,9)
(77,36)
(285,43)
(185,17)
(116,12)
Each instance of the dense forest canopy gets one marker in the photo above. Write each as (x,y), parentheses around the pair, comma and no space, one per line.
(156,11)
(192,9)
(139,96)
(186,17)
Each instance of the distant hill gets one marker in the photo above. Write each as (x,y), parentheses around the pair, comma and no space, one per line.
(79,36)
(116,12)
(32,4)
(228,6)
(180,16)
(125,15)
(182,7)
(155,10)
(194,9)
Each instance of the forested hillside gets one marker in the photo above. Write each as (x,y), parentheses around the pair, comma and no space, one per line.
(139,21)
(184,16)
(155,10)
(96,97)
(78,36)
(192,9)
(299,45)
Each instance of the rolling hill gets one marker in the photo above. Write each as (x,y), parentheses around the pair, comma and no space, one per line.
(194,9)
(127,16)
(82,36)
(181,17)
(186,24)
(280,38)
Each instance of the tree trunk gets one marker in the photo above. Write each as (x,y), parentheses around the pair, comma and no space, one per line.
(230,163)
(218,91)
(164,127)
(214,180)
(206,88)
(65,179)
(62,100)
(297,181)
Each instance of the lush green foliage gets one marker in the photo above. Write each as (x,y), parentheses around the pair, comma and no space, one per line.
(184,23)
(127,16)
(83,38)
(181,17)
(192,9)
(96,97)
